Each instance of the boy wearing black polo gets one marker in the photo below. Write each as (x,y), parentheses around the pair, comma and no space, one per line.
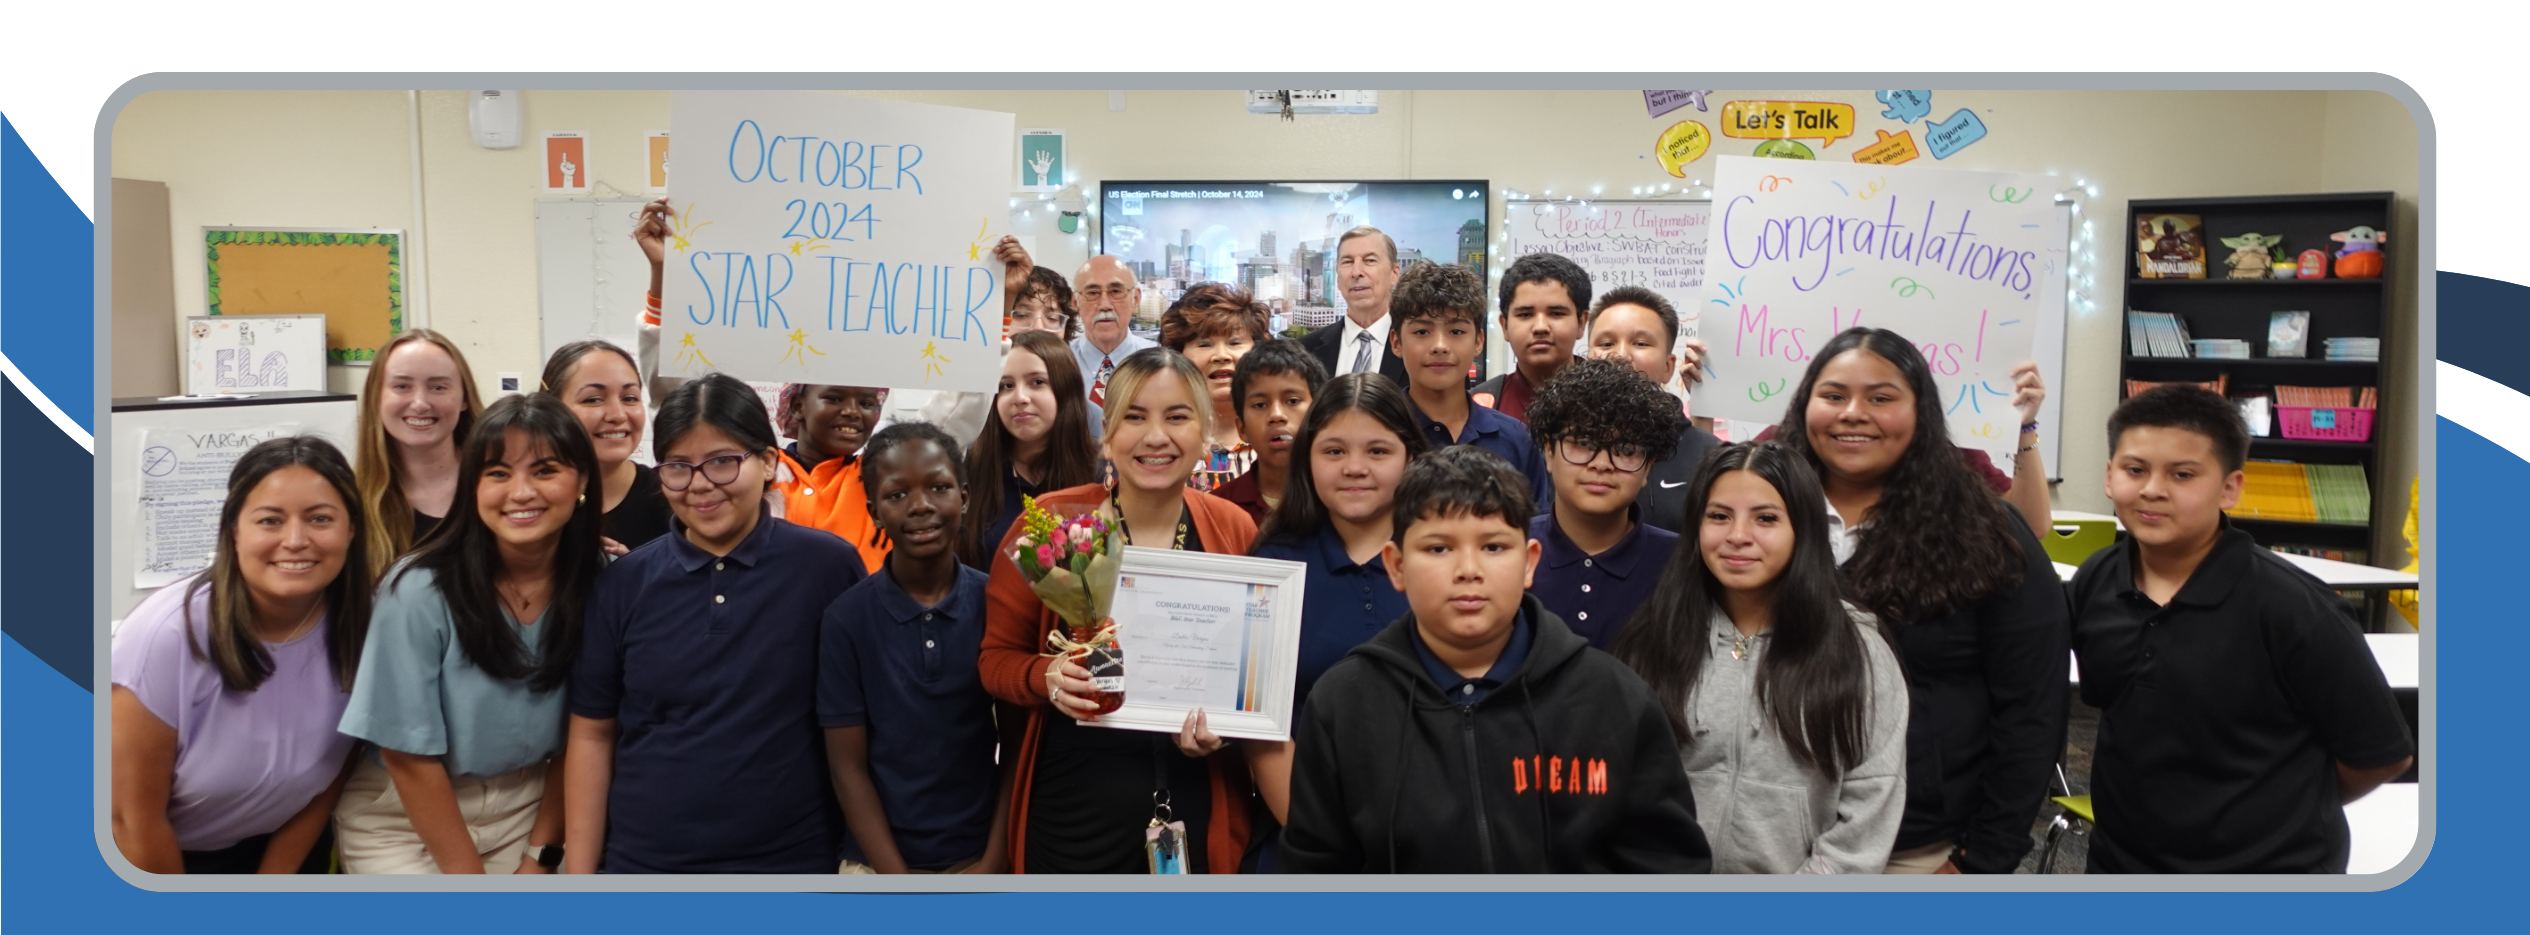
(2239,707)
(1439,328)
(1478,734)
(909,729)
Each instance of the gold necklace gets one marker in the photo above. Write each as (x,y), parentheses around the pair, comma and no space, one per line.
(304,624)
(517,607)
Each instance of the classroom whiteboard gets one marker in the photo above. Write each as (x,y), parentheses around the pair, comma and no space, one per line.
(591,276)
(1659,243)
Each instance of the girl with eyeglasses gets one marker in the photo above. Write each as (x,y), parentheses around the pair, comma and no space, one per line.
(460,685)
(694,742)
(227,685)
(1600,424)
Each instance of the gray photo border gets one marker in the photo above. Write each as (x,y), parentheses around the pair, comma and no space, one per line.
(2421,409)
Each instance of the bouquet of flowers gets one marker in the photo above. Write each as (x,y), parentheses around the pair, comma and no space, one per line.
(1072,565)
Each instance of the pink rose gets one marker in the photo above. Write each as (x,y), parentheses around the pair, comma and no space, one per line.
(1045,557)
(1060,541)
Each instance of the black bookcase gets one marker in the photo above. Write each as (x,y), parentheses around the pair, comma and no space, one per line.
(2217,307)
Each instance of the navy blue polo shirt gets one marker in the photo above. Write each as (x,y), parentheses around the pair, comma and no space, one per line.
(1014,493)
(708,666)
(1462,690)
(1343,604)
(907,673)
(1492,431)
(1596,594)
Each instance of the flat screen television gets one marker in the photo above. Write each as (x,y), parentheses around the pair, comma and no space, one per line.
(1277,240)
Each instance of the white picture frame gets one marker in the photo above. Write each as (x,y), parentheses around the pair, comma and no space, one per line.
(1269,661)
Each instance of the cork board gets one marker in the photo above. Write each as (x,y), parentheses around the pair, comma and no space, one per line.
(353,278)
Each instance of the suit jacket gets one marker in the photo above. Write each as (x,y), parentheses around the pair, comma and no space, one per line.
(1323,342)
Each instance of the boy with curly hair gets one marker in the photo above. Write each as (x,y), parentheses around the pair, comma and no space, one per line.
(1601,427)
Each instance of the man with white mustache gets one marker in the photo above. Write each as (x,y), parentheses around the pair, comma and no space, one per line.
(1108,295)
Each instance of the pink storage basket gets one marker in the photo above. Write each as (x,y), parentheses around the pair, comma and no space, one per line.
(2326,423)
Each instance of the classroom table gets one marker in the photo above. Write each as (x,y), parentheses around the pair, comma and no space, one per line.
(2383,826)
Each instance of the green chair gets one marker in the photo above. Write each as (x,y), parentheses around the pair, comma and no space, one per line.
(2076,816)
(2072,540)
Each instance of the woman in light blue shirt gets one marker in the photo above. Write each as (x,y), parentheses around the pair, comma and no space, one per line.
(471,641)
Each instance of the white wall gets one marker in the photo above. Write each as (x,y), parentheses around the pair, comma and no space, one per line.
(340,159)
(2371,146)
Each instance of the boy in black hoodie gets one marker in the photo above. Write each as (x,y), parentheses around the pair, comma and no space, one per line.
(1478,734)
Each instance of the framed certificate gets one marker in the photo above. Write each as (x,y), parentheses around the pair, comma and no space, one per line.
(1219,632)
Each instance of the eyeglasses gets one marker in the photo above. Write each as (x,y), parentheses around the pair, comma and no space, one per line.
(1626,458)
(677,475)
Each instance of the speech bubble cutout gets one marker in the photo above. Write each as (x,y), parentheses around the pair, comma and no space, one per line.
(1661,102)
(1783,149)
(1905,106)
(1888,150)
(1684,142)
(1825,121)
(1945,138)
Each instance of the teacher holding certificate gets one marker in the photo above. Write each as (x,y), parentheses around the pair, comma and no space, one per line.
(1087,798)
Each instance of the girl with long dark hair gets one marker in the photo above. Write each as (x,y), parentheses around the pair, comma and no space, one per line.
(694,742)
(1037,438)
(1969,598)
(602,386)
(1787,704)
(460,685)
(228,684)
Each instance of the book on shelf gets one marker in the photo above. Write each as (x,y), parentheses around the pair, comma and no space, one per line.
(2170,246)
(2329,397)
(2221,348)
(2259,413)
(2157,334)
(2337,494)
(2288,334)
(2217,384)
(2354,349)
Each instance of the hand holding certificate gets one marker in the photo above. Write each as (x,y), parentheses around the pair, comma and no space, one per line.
(1219,633)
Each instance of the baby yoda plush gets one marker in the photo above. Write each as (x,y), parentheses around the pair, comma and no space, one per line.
(2360,258)
(2251,256)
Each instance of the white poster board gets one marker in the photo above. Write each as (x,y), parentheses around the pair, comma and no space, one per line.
(834,239)
(1657,244)
(183,527)
(1957,261)
(254,353)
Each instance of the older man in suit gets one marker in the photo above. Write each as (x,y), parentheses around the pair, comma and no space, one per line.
(1366,270)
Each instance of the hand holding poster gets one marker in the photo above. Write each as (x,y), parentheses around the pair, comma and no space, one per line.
(834,239)
(1952,260)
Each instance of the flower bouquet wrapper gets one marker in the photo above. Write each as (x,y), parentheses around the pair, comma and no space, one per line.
(1072,565)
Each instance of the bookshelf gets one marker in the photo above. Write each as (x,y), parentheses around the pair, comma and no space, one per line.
(2218,307)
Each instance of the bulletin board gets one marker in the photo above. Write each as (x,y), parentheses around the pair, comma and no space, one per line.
(355,278)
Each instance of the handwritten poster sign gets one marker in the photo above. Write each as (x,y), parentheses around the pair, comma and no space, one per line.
(254,353)
(1956,261)
(1657,244)
(833,239)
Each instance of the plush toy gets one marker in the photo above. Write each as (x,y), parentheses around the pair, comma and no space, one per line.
(2250,254)
(2314,264)
(2360,258)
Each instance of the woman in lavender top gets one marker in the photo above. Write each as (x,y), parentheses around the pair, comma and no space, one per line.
(228,685)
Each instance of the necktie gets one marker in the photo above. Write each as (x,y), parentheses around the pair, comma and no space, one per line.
(1098,387)
(1361,359)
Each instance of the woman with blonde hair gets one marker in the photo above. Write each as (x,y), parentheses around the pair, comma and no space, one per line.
(415,412)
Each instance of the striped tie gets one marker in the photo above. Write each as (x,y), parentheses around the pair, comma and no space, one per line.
(1361,360)
(1098,387)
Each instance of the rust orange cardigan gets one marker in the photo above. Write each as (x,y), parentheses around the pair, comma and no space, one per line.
(1015,626)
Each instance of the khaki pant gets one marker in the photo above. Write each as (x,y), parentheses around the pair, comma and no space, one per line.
(375,835)
(854,866)
(1925,859)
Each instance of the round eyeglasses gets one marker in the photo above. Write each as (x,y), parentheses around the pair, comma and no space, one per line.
(678,475)
(1626,458)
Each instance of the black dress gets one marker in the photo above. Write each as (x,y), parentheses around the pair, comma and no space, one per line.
(1092,796)
(643,513)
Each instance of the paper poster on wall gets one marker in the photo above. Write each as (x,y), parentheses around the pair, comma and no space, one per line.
(1041,160)
(566,164)
(184,479)
(1953,260)
(1656,244)
(835,239)
(254,353)
(655,148)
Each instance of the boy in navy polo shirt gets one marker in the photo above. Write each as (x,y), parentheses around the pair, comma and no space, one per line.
(1439,329)
(1600,426)
(1273,386)
(2239,707)
(1478,734)
(909,729)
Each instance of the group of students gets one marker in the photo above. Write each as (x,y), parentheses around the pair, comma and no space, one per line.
(1550,625)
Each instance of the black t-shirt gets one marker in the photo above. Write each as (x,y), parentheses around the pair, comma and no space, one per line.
(1664,498)
(643,513)
(2223,715)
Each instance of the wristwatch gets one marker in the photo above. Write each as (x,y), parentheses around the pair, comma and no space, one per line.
(548,856)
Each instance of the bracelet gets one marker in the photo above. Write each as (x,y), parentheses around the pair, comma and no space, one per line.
(2031,426)
(2025,449)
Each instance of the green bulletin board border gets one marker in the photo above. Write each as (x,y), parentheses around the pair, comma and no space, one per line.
(212,238)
